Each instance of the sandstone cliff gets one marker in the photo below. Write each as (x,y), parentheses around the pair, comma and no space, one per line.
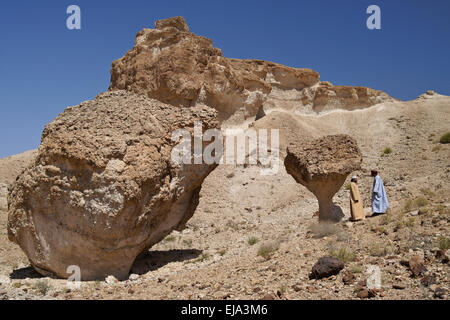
(175,66)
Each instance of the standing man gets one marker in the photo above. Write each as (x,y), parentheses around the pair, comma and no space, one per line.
(379,198)
(356,205)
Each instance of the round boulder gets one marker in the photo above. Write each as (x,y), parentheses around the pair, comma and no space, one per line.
(103,187)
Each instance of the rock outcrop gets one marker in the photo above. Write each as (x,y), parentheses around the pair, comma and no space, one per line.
(326,97)
(322,166)
(175,66)
(103,187)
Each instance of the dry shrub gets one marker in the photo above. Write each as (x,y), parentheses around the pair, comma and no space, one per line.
(323,229)
(267,248)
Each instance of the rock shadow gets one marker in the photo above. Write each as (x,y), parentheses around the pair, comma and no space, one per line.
(26,272)
(155,259)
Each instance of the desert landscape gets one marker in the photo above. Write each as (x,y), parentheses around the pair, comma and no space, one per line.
(102,193)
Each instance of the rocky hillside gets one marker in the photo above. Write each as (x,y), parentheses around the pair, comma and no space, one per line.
(252,236)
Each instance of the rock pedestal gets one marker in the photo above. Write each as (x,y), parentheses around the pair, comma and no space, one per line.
(322,166)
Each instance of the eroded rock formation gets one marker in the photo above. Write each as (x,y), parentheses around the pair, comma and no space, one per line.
(175,66)
(103,187)
(322,165)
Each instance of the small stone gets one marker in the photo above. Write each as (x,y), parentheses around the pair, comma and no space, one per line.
(363,294)
(133,277)
(399,286)
(111,280)
(416,266)
(268,296)
(372,293)
(428,280)
(296,288)
(348,278)
(440,293)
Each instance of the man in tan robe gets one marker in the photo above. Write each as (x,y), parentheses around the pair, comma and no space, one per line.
(356,204)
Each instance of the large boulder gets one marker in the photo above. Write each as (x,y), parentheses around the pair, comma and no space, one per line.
(322,165)
(103,187)
(3,196)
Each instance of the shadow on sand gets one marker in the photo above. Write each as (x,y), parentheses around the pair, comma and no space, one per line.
(26,272)
(153,260)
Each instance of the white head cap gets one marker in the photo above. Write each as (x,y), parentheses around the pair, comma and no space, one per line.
(354,177)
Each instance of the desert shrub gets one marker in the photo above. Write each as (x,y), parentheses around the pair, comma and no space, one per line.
(421,202)
(169,239)
(187,242)
(203,257)
(252,240)
(343,237)
(323,229)
(266,249)
(415,204)
(342,254)
(436,148)
(347,186)
(357,268)
(442,209)
(230,175)
(427,192)
(387,151)
(445,138)
(444,243)
(42,287)
(385,219)
(399,224)
(410,222)
(409,205)
(380,250)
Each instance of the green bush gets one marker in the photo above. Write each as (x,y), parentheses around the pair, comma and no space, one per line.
(252,240)
(267,249)
(445,138)
(444,243)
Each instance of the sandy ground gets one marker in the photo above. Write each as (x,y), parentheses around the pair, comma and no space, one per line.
(255,236)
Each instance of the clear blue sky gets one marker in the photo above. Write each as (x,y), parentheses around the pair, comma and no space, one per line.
(45,67)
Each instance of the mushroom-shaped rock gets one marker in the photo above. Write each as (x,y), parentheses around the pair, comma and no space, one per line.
(322,166)
(103,187)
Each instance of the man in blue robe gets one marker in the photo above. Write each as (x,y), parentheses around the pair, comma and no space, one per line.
(379,198)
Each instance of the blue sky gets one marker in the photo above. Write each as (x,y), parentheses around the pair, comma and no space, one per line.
(45,67)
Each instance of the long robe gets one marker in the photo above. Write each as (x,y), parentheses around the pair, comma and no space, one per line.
(356,204)
(379,198)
